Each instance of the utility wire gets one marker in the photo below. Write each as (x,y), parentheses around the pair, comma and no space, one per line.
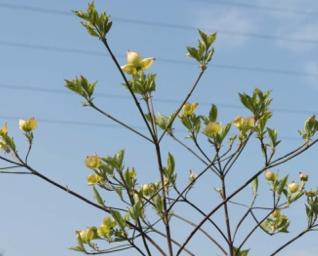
(165,60)
(160,100)
(260,7)
(164,25)
(102,125)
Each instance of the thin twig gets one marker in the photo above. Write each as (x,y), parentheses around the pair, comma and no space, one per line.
(118,121)
(110,250)
(203,232)
(8,172)
(202,213)
(277,162)
(181,105)
(258,224)
(105,43)
(290,241)
(173,241)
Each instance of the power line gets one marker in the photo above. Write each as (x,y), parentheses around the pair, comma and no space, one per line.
(260,7)
(160,100)
(165,60)
(102,125)
(164,25)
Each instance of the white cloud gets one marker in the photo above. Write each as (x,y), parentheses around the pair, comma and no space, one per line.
(293,25)
(285,23)
(225,21)
(301,31)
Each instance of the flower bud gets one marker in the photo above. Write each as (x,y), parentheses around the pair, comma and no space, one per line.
(312,193)
(270,176)
(192,176)
(293,187)
(4,147)
(4,130)
(149,189)
(276,213)
(93,162)
(303,177)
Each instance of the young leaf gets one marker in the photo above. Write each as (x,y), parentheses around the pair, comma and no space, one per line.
(213,114)
(254,185)
(98,197)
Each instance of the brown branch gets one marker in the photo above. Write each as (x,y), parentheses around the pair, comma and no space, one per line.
(118,121)
(290,241)
(277,162)
(181,105)
(173,241)
(203,232)
(105,43)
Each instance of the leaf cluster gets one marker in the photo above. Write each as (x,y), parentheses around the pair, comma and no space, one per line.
(203,53)
(96,24)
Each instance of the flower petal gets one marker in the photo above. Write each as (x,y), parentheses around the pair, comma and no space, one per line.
(146,63)
(129,69)
(133,58)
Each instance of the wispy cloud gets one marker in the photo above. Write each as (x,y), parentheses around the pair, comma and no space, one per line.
(284,22)
(225,21)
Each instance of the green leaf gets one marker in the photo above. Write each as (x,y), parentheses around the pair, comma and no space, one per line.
(119,192)
(294,197)
(209,55)
(193,52)
(282,185)
(119,158)
(97,24)
(77,248)
(204,38)
(118,218)
(212,38)
(81,86)
(247,101)
(169,170)
(98,197)
(158,204)
(225,131)
(213,114)
(254,185)
(136,211)
(272,133)
(241,252)
(90,29)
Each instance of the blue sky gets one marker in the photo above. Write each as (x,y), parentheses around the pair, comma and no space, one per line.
(40,49)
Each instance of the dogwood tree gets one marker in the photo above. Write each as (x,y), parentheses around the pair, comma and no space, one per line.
(144,215)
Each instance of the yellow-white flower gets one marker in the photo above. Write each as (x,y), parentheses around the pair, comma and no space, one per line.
(212,129)
(135,63)
(94,179)
(244,123)
(93,162)
(27,125)
(4,130)
(189,108)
